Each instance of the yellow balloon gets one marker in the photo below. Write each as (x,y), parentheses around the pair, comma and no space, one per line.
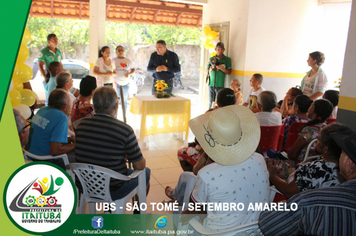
(28,97)
(206,44)
(23,54)
(18,86)
(210,46)
(212,35)
(15,97)
(24,110)
(206,30)
(22,73)
(26,38)
(213,54)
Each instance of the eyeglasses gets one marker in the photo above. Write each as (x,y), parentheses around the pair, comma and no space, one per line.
(23,129)
(121,50)
(159,48)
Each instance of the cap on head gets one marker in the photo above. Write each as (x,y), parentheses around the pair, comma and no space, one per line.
(347,142)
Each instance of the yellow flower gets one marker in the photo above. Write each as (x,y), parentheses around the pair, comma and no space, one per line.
(161,85)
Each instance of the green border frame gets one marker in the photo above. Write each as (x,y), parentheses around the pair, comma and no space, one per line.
(31,164)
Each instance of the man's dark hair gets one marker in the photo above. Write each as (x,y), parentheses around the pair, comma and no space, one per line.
(258,77)
(161,42)
(220,44)
(53,66)
(50,36)
(87,85)
(58,98)
(332,96)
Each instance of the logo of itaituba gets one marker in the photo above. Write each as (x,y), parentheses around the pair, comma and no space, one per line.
(39,197)
(41,207)
(161,222)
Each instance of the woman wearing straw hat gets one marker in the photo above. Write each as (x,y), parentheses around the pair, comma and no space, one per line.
(230,136)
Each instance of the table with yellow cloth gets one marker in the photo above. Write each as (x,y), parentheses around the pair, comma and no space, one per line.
(161,115)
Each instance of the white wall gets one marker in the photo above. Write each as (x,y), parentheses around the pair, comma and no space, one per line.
(278,35)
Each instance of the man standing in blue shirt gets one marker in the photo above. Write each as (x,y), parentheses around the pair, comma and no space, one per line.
(163,64)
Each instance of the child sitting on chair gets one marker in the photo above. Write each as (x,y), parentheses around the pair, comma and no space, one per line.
(235,85)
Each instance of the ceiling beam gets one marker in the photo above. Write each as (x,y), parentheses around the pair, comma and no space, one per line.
(107,10)
(155,17)
(198,21)
(178,18)
(52,10)
(80,10)
(154,7)
(132,13)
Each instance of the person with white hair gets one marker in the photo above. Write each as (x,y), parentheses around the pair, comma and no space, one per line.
(266,101)
(49,127)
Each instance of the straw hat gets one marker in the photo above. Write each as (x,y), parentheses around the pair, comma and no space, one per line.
(229,135)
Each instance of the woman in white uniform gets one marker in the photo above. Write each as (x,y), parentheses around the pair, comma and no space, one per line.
(104,68)
(315,82)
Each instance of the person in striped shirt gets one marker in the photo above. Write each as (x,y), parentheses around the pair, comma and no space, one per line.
(324,211)
(105,141)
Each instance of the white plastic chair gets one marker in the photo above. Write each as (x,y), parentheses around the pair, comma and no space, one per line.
(95,181)
(242,230)
(50,158)
(306,157)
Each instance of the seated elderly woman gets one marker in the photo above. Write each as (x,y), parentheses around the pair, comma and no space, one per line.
(82,107)
(319,173)
(266,101)
(286,162)
(236,174)
(300,106)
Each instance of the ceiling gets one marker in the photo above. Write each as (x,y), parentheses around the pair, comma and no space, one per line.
(133,11)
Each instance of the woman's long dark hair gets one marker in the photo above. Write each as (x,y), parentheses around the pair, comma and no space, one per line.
(102,50)
(323,109)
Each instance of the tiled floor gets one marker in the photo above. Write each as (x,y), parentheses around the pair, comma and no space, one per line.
(164,165)
(160,152)
(161,157)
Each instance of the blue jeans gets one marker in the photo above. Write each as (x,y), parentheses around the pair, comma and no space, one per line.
(169,83)
(128,186)
(212,95)
(125,89)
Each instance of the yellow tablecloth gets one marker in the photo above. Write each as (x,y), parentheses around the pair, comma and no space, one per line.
(161,115)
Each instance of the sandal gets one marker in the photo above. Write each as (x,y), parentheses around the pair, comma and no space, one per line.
(169,192)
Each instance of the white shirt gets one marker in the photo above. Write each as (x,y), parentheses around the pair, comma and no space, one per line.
(105,79)
(123,67)
(247,182)
(251,98)
(273,118)
(309,85)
